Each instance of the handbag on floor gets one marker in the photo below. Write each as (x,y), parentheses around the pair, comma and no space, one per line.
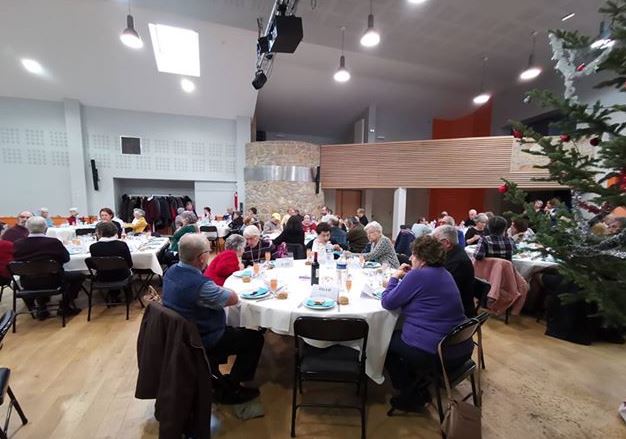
(462,419)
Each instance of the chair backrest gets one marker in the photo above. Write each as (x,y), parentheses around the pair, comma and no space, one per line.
(297,250)
(46,274)
(101,264)
(208,229)
(128,229)
(5,323)
(331,329)
(85,231)
(482,317)
(481,289)
(460,334)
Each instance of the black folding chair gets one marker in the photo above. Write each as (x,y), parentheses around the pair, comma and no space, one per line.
(297,250)
(36,280)
(5,323)
(482,318)
(337,363)
(462,333)
(82,231)
(128,230)
(99,267)
(210,232)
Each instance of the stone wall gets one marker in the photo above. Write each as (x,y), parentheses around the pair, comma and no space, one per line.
(278,196)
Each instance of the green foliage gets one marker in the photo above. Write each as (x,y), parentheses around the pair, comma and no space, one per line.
(599,274)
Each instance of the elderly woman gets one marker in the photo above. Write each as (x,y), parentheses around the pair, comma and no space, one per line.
(188,220)
(382,249)
(228,261)
(430,304)
(273,225)
(255,246)
(106,216)
(474,233)
(308,225)
(139,223)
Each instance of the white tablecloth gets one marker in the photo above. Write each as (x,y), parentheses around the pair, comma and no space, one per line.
(279,315)
(144,253)
(66,233)
(526,265)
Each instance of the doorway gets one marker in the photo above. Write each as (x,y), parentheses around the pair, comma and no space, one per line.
(347,202)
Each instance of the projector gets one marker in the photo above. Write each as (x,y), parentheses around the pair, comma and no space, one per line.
(285,35)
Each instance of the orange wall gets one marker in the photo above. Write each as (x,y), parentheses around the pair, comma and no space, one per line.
(458,201)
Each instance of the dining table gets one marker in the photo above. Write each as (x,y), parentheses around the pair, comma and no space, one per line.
(294,278)
(66,232)
(528,260)
(144,251)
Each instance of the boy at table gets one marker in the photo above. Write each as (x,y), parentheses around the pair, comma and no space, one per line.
(198,299)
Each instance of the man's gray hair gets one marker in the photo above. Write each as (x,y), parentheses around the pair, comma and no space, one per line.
(189,216)
(36,224)
(448,232)
(190,246)
(374,226)
(448,220)
(481,218)
(251,231)
(235,242)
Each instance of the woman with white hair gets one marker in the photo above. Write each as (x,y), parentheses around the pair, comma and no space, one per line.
(255,246)
(139,223)
(188,220)
(382,249)
(228,261)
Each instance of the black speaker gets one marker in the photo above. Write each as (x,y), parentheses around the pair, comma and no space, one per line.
(317,181)
(261,136)
(94,174)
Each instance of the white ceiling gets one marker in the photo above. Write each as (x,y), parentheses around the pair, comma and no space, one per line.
(77,41)
(428,63)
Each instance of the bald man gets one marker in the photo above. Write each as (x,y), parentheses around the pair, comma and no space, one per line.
(19,230)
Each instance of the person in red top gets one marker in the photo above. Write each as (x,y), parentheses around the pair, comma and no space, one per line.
(228,261)
(6,256)
(308,225)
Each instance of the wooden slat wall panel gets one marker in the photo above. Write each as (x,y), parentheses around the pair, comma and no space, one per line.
(477,162)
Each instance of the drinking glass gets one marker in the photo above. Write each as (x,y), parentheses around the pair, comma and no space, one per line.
(268,256)
(256,268)
(273,284)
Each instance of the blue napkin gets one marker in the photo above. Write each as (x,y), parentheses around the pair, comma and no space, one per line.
(258,293)
(327,303)
(242,273)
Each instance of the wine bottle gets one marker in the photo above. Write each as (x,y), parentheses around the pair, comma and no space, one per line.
(315,270)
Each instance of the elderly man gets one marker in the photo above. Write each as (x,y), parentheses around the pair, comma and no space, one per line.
(448,220)
(198,299)
(45,213)
(360,213)
(38,247)
(290,212)
(495,244)
(337,236)
(470,218)
(421,228)
(19,230)
(357,238)
(255,246)
(459,265)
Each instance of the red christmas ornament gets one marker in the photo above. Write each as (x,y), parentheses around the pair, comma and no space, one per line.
(581,67)
(622,179)
(503,188)
(595,141)
(517,134)
(565,138)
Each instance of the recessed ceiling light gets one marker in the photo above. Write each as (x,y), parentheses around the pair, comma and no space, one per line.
(530,73)
(568,16)
(187,85)
(417,2)
(176,50)
(32,66)
(482,98)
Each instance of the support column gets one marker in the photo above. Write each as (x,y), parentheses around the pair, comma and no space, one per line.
(399,210)
(77,162)
(368,202)
(242,137)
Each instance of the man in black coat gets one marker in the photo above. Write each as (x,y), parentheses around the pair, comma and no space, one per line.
(459,265)
(37,247)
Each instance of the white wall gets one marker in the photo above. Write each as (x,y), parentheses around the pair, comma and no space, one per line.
(33,142)
(34,157)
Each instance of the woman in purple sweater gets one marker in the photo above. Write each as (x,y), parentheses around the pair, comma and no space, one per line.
(431,306)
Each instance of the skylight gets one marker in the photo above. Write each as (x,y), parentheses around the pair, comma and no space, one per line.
(176,50)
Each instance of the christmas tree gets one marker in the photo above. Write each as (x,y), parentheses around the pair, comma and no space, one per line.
(589,157)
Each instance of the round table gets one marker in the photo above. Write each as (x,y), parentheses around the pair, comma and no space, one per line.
(526,263)
(279,315)
(67,233)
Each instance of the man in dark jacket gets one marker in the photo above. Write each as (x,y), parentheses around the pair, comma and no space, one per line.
(357,238)
(38,247)
(360,213)
(404,240)
(459,265)
(19,230)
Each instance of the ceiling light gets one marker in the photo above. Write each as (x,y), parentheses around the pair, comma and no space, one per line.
(187,85)
(532,71)
(129,37)
(176,50)
(32,66)
(483,97)
(342,74)
(568,16)
(371,37)
(604,40)
(417,2)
